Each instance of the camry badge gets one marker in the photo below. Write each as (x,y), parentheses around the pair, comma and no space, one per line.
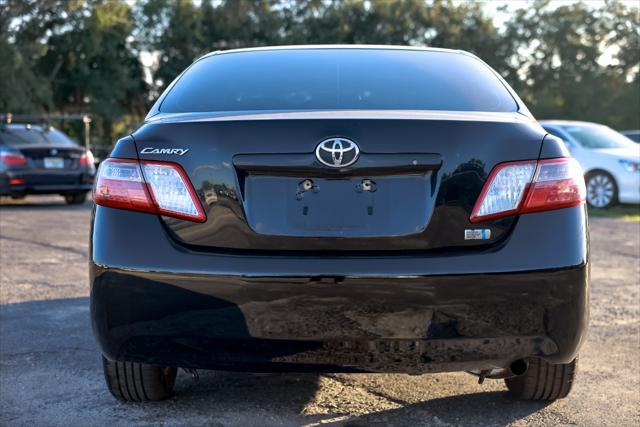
(337,152)
(151,150)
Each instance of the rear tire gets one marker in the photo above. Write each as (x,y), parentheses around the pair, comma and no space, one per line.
(543,381)
(138,382)
(75,198)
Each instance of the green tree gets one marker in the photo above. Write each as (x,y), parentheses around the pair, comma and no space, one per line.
(24,28)
(189,31)
(82,60)
(576,61)
(71,57)
(558,62)
(180,42)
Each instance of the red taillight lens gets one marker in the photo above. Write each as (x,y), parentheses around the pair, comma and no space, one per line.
(13,159)
(558,183)
(154,187)
(120,185)
(530,186)
(87,159)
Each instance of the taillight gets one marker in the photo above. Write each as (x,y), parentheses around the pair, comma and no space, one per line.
(87,159)
(120,184)
(13,159)
(154,187)
(530,186)
(559,183)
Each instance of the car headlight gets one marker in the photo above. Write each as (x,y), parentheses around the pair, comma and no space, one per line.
(630,166)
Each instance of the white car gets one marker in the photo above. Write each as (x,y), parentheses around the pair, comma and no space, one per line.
(610,160)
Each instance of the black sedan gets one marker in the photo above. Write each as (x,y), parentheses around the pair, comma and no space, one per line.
(339,209)
(39,159)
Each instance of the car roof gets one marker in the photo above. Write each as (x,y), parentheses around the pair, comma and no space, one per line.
(337,46)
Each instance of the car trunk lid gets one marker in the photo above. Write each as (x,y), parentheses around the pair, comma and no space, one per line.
(413,187)
(52,157)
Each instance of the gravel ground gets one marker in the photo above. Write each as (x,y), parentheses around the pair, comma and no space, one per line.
(50,371)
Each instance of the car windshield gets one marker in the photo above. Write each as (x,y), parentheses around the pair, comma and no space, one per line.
(338,79)
(33,135)
(597,137)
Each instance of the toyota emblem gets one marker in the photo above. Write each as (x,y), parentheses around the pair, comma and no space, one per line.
(337,152)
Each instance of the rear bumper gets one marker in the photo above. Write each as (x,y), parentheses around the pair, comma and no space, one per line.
(155,302)
(44,182)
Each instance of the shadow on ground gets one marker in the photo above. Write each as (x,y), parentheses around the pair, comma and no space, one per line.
(51,373)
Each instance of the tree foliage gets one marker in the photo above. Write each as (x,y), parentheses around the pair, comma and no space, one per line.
(558,65)
(575,61)
(71,57)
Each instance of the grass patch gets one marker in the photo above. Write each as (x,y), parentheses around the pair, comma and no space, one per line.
(628,212)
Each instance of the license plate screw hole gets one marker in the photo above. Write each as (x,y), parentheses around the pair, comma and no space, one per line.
(366,185)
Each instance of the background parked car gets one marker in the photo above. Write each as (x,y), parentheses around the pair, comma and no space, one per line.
(39,159)
(610,160)
(633,135)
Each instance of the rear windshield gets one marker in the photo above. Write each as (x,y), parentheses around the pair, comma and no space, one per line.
(36,135)
(337,79)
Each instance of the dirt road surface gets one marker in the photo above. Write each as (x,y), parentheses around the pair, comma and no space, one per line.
(50,371)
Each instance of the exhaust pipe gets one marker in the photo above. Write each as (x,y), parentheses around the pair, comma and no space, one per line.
(519,367)
(515,369)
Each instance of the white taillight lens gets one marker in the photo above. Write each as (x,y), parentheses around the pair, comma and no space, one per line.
(504,190)
(161,188)
(531,186)
(120,170)
(171,190)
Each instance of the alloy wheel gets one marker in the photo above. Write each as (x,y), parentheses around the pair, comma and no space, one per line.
(600,191)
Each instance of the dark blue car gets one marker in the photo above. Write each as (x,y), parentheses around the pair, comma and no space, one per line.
(39,159)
